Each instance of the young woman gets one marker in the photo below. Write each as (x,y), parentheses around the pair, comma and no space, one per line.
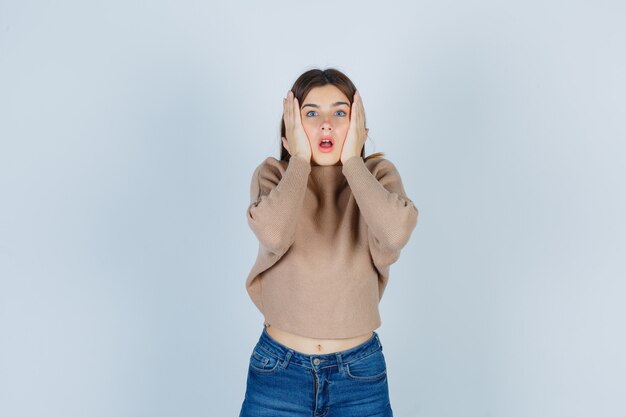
(329,222)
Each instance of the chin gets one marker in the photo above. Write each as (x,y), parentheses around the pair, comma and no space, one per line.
(326,159)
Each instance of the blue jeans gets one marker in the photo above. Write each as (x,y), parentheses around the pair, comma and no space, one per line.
(283,382)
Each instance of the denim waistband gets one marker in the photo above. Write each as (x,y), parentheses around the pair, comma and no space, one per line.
(288,355)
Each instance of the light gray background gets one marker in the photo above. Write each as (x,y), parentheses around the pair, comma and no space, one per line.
(129,132)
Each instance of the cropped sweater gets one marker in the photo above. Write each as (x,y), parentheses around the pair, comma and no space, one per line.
(327,236)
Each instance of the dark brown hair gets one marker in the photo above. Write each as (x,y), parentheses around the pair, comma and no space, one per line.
(318,78)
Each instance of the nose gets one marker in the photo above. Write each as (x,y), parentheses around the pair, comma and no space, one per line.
(326,125)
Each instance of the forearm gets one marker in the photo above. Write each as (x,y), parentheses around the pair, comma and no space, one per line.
(273,216)
(390,216)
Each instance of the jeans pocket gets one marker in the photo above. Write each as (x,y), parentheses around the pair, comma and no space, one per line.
(370,368)
(263,362)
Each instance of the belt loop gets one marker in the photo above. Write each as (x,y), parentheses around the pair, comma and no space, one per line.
(378,340)
(339,362)
(287,358)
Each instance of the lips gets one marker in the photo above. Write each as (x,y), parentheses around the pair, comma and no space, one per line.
(326,144)
(324,139)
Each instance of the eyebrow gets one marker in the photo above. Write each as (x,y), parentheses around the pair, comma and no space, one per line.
(338,103)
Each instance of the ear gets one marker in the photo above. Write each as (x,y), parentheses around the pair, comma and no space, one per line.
(285,144)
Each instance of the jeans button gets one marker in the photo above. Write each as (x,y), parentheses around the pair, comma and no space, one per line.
(316,361)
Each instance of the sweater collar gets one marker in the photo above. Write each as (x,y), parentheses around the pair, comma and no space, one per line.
(327,177)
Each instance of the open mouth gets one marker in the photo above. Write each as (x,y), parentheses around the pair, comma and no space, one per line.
(326,144)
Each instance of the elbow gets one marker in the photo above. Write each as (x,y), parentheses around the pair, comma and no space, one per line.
(396,242)
(272,239)
(275,245)
(397,237)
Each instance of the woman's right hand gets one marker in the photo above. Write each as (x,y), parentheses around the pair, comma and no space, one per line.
(297,142)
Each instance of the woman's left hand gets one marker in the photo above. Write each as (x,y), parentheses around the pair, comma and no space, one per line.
(357,133)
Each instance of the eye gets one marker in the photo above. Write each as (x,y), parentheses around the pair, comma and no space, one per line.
(308,114)
(340,113)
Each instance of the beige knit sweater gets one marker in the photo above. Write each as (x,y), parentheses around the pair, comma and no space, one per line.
(327,236)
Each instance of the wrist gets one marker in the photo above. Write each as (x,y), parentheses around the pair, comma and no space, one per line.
(301,156)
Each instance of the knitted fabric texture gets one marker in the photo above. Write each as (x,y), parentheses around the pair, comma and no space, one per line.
(327,237)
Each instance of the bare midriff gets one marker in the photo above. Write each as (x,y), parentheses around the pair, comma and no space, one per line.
(312,346)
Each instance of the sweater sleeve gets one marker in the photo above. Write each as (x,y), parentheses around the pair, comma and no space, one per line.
(390,215)
(276,199)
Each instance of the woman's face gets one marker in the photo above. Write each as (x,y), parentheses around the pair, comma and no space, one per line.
(325,114)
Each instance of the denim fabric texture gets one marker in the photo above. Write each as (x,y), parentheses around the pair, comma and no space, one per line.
(283,382)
